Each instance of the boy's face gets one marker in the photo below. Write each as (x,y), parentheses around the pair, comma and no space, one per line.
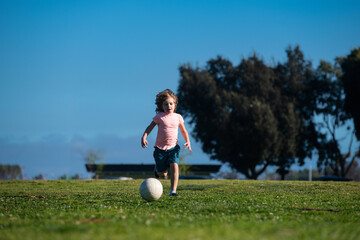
(169,105)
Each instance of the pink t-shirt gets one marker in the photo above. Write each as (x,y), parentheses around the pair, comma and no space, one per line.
(168,125)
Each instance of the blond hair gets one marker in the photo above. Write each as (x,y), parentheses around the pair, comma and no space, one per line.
(162,96)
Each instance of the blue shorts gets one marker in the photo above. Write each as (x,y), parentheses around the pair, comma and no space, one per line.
(163,158)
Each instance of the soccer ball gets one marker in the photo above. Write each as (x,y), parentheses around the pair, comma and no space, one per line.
(151,189)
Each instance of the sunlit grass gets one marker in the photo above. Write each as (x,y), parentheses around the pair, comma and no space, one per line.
(207,209)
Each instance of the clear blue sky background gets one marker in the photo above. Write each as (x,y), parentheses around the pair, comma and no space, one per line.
(79,74)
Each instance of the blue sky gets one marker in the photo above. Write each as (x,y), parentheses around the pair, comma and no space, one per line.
(76,75)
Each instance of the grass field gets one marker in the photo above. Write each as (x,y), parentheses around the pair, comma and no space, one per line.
(207,209)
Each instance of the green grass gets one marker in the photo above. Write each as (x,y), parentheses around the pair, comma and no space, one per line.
(207,209)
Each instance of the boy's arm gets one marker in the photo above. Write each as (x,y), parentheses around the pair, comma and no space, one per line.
(148,130)
(186,136)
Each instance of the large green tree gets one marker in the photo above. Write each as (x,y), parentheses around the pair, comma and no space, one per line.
(350,66)
(331,111)
(239,114)
(298,85)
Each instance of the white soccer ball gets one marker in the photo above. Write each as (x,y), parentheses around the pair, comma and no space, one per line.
(151,189)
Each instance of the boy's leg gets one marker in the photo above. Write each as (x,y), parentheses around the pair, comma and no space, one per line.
(160,164)
(174,168)
(162,174)
(174,155)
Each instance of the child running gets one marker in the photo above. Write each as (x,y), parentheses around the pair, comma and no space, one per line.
(167,150)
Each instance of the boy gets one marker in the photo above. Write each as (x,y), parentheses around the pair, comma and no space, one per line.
(167,150)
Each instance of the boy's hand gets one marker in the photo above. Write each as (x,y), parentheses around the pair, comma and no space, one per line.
(144,143)
(187,145)
(148,130)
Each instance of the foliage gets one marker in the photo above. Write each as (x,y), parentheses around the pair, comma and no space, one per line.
(10,172)
(63,177)
(350,66)
(298,84)
(354,170)
(183,167)
(92,156)
(251,115)
(331,109)
(207,209)
(40,177)
(74,177)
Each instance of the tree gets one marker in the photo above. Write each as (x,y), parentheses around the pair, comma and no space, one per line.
(238,114)
(40,177)
(10,172)
(298,85)
(350,66)
(63,177)
(331,108)
(92,157)
(75,177)
(354,171)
